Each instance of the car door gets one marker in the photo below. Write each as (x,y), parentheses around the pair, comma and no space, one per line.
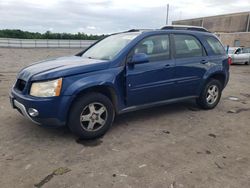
(152,81)
(240,56)
(246,52)
(191,64)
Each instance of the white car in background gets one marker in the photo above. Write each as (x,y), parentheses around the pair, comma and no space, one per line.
(240,55)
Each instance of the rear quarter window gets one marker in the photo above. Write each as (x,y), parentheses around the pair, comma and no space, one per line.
(246,50)
(216,46)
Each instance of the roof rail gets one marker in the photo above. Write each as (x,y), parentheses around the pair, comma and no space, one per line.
(137,30)
(184,27)
(133,30)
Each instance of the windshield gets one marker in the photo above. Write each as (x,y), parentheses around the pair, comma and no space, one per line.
(109,47)
(231,51)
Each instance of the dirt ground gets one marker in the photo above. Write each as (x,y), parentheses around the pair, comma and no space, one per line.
(173,146)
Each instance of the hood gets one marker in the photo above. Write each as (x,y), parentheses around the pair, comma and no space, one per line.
(61,67)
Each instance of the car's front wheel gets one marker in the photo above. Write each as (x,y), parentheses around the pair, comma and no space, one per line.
(91,116)
(210,95)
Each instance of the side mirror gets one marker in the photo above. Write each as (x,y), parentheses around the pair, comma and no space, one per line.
(139,58)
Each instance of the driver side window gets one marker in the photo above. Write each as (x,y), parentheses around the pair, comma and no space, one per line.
(155,47)
(238,51)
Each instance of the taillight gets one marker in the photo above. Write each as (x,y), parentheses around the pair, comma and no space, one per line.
(230,60)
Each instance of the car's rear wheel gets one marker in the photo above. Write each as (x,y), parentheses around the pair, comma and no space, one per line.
(246,63)
(91,116)
(210,95)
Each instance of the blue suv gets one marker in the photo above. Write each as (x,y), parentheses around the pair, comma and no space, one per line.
(123,72)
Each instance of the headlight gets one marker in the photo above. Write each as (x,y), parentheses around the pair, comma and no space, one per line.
(46,89)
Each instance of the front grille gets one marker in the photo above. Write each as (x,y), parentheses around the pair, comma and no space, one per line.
(20,85)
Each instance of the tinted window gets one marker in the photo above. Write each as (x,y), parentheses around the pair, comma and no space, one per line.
(187,46)
(156,47)
(238,51)
(216,46)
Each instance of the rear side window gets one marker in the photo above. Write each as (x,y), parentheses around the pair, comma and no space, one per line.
(187,46)
(156,47)
(216,46)
(246,50)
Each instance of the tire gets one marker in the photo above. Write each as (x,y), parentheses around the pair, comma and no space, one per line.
(246,63)
(211,87)
(91,116)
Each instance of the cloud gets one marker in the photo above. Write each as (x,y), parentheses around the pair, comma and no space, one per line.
(106,16)
(91,27)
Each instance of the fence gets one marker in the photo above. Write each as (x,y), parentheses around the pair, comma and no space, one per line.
(44,43)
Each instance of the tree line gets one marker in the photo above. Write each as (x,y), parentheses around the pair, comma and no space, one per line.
(16,33)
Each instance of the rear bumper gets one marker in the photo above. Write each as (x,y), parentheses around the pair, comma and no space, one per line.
(52,112)
(227,79)
(240,61)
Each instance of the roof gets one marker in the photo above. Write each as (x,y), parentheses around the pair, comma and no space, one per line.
(171,27)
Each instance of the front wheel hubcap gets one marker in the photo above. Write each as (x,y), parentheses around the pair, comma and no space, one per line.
(212,94)
(93,116)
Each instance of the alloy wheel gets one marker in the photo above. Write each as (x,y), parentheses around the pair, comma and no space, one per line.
(212,94)
(93,116)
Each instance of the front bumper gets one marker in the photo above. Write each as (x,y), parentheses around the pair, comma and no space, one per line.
(22,109)
(52,111)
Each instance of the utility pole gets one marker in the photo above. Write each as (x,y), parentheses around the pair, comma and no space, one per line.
(167,14)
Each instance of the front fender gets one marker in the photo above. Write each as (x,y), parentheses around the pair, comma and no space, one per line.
(79,83)
(111,78)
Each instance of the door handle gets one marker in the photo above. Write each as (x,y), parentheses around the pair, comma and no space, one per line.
(167,65)
(204,61)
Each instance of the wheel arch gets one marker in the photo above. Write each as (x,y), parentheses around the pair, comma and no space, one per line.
(220,76)
(106,90)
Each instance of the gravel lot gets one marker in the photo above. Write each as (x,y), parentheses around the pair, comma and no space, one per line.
(172,146)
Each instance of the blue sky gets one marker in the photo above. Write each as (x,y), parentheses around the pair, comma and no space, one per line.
(106,16)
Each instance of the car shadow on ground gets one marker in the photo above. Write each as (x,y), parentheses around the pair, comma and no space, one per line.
(154,112)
